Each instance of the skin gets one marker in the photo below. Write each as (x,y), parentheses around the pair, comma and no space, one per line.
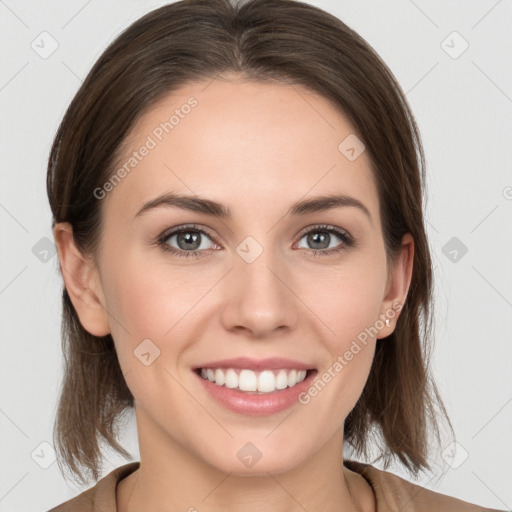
(257,148)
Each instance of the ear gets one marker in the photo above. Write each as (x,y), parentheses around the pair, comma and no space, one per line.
(82,282)
(398,285)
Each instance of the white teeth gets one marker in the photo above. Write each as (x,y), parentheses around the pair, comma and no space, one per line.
(219,377)
(281,380)
(231,379)
(247,381)
(292,378)
(266,381)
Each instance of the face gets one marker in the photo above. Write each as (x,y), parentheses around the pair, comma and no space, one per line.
(263,296)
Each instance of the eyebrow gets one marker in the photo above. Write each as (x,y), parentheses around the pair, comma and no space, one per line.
(216,209)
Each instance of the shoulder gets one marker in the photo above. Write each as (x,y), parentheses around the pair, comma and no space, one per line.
(394,494)
(100,497)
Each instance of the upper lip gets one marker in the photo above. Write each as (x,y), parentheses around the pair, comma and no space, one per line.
(271,363)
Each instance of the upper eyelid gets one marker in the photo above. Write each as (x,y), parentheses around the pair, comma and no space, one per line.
(173,231)
(320,227)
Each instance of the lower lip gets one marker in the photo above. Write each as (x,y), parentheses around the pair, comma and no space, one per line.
(254,404)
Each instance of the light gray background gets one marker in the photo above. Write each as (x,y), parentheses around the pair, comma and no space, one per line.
(464,109)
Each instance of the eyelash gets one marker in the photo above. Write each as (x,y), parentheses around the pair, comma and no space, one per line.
(347,240)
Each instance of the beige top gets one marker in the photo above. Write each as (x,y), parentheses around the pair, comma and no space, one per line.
(392,493)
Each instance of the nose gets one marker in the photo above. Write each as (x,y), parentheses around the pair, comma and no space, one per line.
(259,298)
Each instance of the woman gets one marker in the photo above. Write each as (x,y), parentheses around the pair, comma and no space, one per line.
(237,202)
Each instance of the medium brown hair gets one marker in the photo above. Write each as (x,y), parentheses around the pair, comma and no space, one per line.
(284,41)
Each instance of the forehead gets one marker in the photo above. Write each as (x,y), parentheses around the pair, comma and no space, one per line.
(240,142)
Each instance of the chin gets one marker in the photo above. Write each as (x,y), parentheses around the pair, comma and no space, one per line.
(249,460)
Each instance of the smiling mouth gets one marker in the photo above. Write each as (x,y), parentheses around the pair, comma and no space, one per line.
(259,382)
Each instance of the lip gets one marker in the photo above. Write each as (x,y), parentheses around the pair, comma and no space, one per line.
(271,363)
(252,403)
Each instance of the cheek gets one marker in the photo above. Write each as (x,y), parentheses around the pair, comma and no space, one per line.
(150,308)
(150,300)
(348,301)
(349,305)
(154,310)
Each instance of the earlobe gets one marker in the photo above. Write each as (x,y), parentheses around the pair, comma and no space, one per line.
(398,285)
(82,282)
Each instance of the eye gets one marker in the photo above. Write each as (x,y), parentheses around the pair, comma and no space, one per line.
(190,241)
(319,239)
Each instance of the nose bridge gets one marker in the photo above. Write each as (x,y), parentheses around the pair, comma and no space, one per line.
(257,297)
